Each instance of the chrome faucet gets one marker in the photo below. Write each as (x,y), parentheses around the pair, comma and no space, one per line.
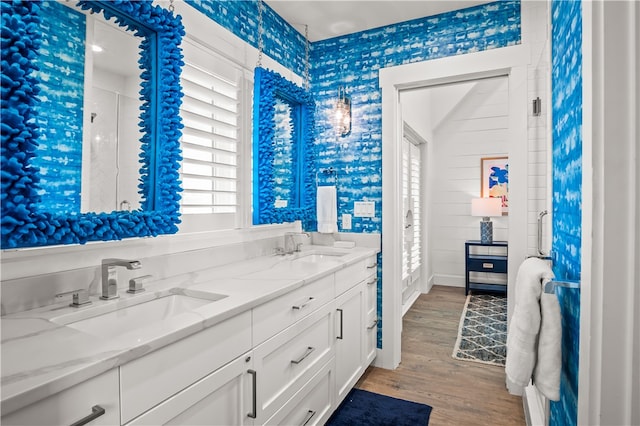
(110,276)
(289,241)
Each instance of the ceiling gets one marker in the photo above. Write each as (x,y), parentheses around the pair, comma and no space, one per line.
(332,18)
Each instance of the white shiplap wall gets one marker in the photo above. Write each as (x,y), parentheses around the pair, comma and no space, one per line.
(535,34)
(476,127)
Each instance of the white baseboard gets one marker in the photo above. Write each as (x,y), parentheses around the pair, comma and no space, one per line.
(448,280)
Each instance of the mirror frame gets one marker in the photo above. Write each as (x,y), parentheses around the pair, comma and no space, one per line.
(268,85)
(23,223)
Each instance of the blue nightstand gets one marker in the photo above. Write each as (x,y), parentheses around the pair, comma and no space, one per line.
(481,257)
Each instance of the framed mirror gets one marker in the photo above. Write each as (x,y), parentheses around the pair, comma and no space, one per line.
(283,151)
(46,173)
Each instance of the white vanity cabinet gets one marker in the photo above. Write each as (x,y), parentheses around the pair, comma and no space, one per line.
(75,405)
(288,361)
(221,398)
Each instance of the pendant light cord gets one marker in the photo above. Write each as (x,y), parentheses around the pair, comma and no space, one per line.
(306,57)
(260,30)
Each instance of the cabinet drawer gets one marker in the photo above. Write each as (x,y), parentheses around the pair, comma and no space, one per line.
(221,398)
(310,406)
(151,379)
(73,404)
(353,274)
(488,264)
(278,314)
(288,360)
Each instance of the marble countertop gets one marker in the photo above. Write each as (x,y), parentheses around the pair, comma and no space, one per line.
(41,357)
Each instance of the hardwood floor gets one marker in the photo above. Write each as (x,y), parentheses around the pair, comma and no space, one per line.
(460,392)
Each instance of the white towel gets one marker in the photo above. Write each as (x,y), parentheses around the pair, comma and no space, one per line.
(327,209)
(535,333)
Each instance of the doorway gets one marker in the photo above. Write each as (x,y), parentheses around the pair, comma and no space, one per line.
(510,62)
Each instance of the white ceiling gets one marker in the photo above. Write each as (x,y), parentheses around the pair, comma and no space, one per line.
(332,18)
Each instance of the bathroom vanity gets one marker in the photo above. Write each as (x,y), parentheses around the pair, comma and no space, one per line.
(269,340)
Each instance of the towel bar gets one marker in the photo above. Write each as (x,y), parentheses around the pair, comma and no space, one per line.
(551,286)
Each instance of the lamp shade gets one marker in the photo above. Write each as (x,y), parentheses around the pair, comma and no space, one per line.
(486,207)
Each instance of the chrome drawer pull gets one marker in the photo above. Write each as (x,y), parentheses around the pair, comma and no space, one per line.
(373,281)
(308,418)
(341,330)
(372,326)
(254,394)
(487,265)
(302,305)
(372,266)
(308,352)
(96,411)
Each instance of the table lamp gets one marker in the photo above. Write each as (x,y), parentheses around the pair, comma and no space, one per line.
(485,208)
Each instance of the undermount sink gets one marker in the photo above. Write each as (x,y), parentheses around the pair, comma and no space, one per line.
(127,315)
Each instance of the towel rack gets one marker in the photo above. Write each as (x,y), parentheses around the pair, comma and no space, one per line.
(328,172)
(550,287)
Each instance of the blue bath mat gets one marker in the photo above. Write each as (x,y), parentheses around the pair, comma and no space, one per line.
(362,408)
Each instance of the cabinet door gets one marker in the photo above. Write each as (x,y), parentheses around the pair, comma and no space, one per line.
(74,404)
(312,404)
(225,397)
(349,340)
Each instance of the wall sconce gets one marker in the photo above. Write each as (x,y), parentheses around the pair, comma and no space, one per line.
(485,208)
(343,113)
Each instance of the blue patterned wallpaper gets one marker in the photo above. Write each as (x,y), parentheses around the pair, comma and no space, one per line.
(281,41)
(61,63)
(566,81)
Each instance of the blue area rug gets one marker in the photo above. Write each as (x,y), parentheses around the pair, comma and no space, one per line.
(482,334)
(363,408)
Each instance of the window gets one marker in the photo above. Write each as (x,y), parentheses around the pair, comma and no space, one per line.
(211,112)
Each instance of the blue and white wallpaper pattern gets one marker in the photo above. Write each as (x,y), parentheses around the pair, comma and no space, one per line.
(281,41)
(353,62)
(566,81)
(59,112)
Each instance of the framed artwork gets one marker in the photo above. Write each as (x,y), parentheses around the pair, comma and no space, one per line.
(495,179)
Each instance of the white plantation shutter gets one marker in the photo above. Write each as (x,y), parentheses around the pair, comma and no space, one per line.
(406,182)
(411,194)
(415,198)
(210,113)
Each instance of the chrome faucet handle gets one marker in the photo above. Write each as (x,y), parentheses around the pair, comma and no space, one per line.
(136,285)
(79,297)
